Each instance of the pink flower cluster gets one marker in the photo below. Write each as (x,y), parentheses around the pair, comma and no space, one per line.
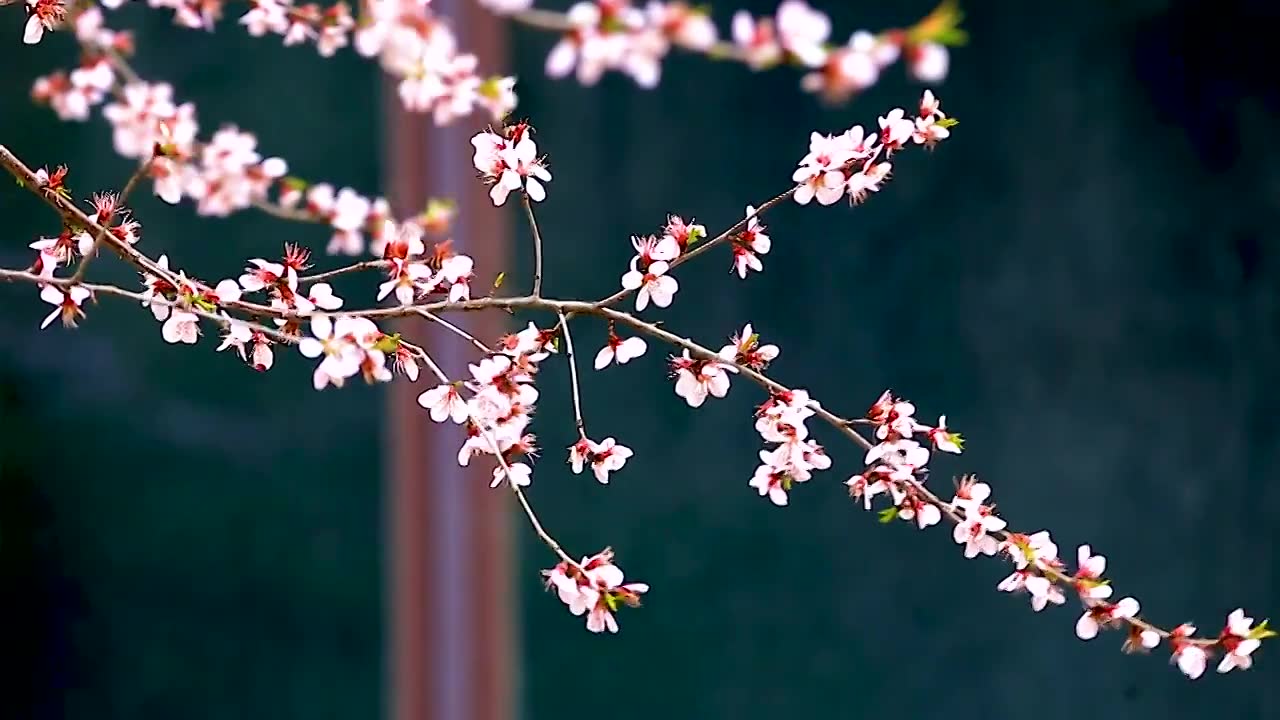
(347,346)
(895,464)
(70,243)
(749,245)
(846,164)
(413,275)
(654,256)
(896,469)
(224,175)
(414,44)
(409,40)
(594,587)
(510,162)
(615,35)
(794,457)
(501,405)
(618,350)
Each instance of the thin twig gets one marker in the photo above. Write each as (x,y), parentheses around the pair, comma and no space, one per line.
(573,376)
(354,267)
(454,329)
(538,529)
(537,246)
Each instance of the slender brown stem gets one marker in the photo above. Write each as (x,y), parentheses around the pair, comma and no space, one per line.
(573,376)
(537,246)
(355,267)
(455,330)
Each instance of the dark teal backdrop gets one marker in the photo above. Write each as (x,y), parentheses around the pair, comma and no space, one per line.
(1084,280)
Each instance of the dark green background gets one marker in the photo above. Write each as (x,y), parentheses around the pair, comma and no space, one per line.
(1084,280)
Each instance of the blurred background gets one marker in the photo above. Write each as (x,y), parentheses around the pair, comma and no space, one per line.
(1085,280)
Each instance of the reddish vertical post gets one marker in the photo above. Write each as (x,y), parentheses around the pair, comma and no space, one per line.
(450,635)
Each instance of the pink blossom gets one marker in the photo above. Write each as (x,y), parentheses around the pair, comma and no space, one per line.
(749,245)
(444,402)
(757,39)
(653,283)
(696,379)
(970,493)
(945,440)
(181,327)
(1088,577)
(604,457)
(745,349)
(1105,614)
(773,482)
(895,129)
(66,304)
(518,474)
(803,32)
(898,453)
(821,172)
(928,62)
(973,531)
(1190,657)
(619,350)
(520,169)
(1238,642)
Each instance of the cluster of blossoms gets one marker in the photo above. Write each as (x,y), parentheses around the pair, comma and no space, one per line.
(800,35)
(749,244)
(409,40)
(509,161)
(615,35)
(416,45)
(348,346)
(647,275)
(501,404)
(794,457)
(222,176)
(76,241)
(604,457)
(850,163)
(225,174)
(594,587)
(413,275)
(896,466)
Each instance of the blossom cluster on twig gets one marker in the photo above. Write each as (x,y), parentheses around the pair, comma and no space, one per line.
(276,302)
(417,45)
(280,302)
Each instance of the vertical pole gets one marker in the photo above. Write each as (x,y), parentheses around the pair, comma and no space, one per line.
(450,630)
